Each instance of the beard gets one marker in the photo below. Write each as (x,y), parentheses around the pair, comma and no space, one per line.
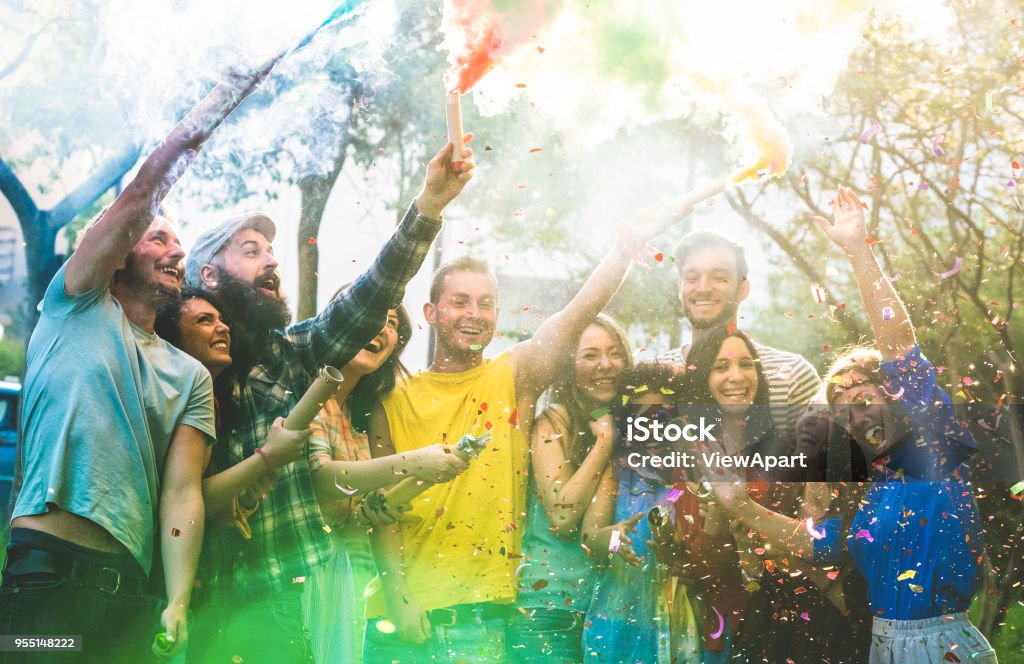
(133,276)
(728,314)
(252,315)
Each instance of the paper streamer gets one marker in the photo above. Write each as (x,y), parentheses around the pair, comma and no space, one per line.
(613,544)
(870,132)
(721,624)
(957,264)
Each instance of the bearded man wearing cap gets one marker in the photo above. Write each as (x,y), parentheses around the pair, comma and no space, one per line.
(116,427)
(253,610)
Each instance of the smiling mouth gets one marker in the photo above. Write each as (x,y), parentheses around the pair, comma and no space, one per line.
(173,271)
(220,345)
(736,394)
(269,284)
(373,347)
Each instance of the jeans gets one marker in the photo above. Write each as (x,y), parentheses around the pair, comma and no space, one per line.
(549,635)
(266,630)
(115,629)
(468,641)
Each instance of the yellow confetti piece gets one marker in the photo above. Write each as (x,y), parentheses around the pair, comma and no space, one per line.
(665,390)
(909,574)
(752,587)
(916,588)
(386,627)
(327,529)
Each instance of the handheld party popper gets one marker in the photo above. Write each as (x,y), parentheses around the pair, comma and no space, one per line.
(468,448)
(325,385)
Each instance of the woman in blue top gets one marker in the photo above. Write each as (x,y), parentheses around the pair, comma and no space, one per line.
(916,536)
(570,445)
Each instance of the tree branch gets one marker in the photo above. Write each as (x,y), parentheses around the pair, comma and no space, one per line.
(16,194)
(93,188)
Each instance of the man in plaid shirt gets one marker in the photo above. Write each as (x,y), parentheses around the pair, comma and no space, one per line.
(254,610)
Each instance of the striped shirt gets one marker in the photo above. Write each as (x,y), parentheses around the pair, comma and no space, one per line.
(792,383)
(288,536)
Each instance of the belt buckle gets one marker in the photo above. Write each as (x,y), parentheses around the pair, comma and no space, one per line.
(451,617)
(116,584)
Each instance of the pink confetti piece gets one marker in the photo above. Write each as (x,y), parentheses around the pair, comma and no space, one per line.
(892,395)
(721,624)
(806,616)
(812,531)
(893,279)
(888,313)
(870,132)
(937,145)
(613,544)
(674,494)
(957,264)
(864,534)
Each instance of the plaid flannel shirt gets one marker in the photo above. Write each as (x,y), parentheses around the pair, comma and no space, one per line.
(288,536)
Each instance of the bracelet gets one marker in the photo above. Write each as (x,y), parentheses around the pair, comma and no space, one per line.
(266,458)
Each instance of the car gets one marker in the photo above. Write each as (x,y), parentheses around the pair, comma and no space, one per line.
(10,395)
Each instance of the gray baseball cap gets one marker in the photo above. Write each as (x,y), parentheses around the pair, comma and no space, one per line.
(209,243)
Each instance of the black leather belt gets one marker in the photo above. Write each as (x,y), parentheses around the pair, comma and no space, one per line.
(467,613)
(25,564)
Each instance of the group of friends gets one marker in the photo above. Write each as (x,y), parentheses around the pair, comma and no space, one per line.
(163,494)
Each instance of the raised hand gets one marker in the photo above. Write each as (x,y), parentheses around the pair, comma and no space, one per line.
(646,224)
(445,180)
(847,229)
(435,463)
(284,446)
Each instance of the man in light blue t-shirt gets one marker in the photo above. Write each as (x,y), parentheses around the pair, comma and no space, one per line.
(116,428)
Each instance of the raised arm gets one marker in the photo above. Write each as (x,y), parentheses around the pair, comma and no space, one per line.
(567,493)
(182,514)
(536,360)
(894,332)
(104,248)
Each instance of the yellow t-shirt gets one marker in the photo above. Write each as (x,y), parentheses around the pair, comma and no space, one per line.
(462,538)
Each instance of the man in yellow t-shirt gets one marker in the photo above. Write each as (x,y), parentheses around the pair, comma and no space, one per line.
(447,570)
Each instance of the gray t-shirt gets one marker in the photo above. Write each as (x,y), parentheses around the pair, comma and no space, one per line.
(101,400)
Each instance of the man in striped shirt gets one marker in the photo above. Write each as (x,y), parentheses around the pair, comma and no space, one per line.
(712,283)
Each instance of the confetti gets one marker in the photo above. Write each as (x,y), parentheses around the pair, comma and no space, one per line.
(937,145)
(327,529)
(806,616)
(818,292)
(598,413)
(386,627)
(540,584)
(863,534)
(475,347)
(957,264)
(950,657)
(721,624)
(613,544)
(347,490)
(175,532)
(816,534)
(892,395)
(916,588)
(909,574)
(870,132)
(888,313)
(674,495)
(1017,488)
(989,106)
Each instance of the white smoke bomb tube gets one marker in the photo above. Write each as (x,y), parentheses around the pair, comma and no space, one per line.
(327,381)
(453,112)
